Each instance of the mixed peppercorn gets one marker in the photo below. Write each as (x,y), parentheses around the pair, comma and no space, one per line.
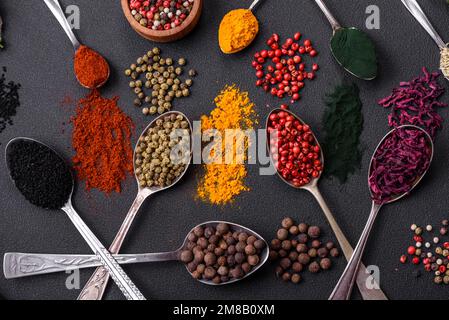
(293,148)
(160,14)
(162,78)
(431,250)
(220,254)
(297,247)
(286,74)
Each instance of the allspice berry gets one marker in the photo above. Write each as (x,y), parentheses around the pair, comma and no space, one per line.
(314,232)
(325,264)
(335,253)
(186,256)
(286,277)
(295,278)
(302,248)
(297,267)
(304,258)
(285,263)
(293,230)
(314,267)
(322,252)
(302,227)
(253,260)
(287,223)
(282,234)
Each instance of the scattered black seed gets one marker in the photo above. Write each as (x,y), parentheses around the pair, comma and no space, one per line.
(9,100)
(40,174)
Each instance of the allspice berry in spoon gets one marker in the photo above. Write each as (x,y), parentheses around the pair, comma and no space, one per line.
(237,30)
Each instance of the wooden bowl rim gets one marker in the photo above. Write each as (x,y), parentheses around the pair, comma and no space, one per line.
(161,33)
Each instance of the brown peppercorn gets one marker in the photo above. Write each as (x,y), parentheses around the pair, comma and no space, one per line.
(202,242)
(293,256)
(314,267)
(282,253)
(208,232)
(186,256)
(201,268)
(199,256)
(303,238)
(335,253)
(287,223)
(304,259)
(210,259)
(198,231)
(253,260)
(237,272)
(250,250)
(285,263)
(223,270)
(219,252)
(239,258)
(316,244)
(231,261)
(259,244)
(209,273)
(222,261)
(293,230)
(282,234)
(314,232)
(330,245)
(286,245)
(325,264)
(275,244)
(322,252)
(246,267)
(302,248)
(286,277)
(216,279)
(231,250)
(243,237)
(222,228)
(312,253)
(240,246)
(296,278)
(214,239)
(273,255)
(297,267)
(251,240)
(302,227)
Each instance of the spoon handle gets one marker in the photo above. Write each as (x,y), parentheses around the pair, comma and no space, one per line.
(416,11)
(363,276)
(19,265)
(254,5)
(56,9)
(343,289)
(96,286)
(332,20)
(122,280)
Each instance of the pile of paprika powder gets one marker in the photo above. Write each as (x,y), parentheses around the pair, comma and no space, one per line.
(102,142)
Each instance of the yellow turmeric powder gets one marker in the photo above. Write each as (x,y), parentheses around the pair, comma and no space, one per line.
(223,180)
(237,30)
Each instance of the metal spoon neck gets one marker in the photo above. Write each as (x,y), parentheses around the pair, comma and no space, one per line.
(254,5)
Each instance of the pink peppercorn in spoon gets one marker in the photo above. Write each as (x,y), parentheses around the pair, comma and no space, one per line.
(285,128)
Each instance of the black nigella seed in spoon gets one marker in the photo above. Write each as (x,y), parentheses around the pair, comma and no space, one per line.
(39,173)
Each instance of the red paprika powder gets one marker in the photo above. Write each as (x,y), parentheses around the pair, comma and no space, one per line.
(101,140)
(91,69)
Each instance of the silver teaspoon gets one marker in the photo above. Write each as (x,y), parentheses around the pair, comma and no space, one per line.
(344,286)
(336,27)
(18,265)
(312,187)
(56,9)
(415,9)
(125,284)
(96,286)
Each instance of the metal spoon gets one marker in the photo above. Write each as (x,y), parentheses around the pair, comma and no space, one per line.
(251,8)
(121,279)
(417,12)
(18,265)
(336,26)
(56,9)
(344,287)
(312,187)
(96,286)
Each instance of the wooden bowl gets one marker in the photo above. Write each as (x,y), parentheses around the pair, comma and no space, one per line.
(165,35)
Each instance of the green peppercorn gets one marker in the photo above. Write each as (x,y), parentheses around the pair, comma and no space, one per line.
(145,111)
(192,73)
(132,84)
(133,67)
(182,62)
(128,72)
(189,82)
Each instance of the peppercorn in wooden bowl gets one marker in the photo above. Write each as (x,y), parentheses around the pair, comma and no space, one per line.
(165,35)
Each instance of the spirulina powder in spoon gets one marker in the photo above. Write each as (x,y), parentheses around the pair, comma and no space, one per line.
(343,125)
(355,51)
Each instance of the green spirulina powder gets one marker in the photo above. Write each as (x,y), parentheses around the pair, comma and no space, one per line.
(355,51)
(343,125)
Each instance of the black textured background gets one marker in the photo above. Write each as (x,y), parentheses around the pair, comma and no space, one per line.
(39,56)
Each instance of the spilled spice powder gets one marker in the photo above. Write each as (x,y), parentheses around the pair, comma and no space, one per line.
(101,140)
(222,182)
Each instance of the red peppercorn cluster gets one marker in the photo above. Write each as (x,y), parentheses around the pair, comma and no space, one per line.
(433,253)
(294,150)
(286,74)
(160,14)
